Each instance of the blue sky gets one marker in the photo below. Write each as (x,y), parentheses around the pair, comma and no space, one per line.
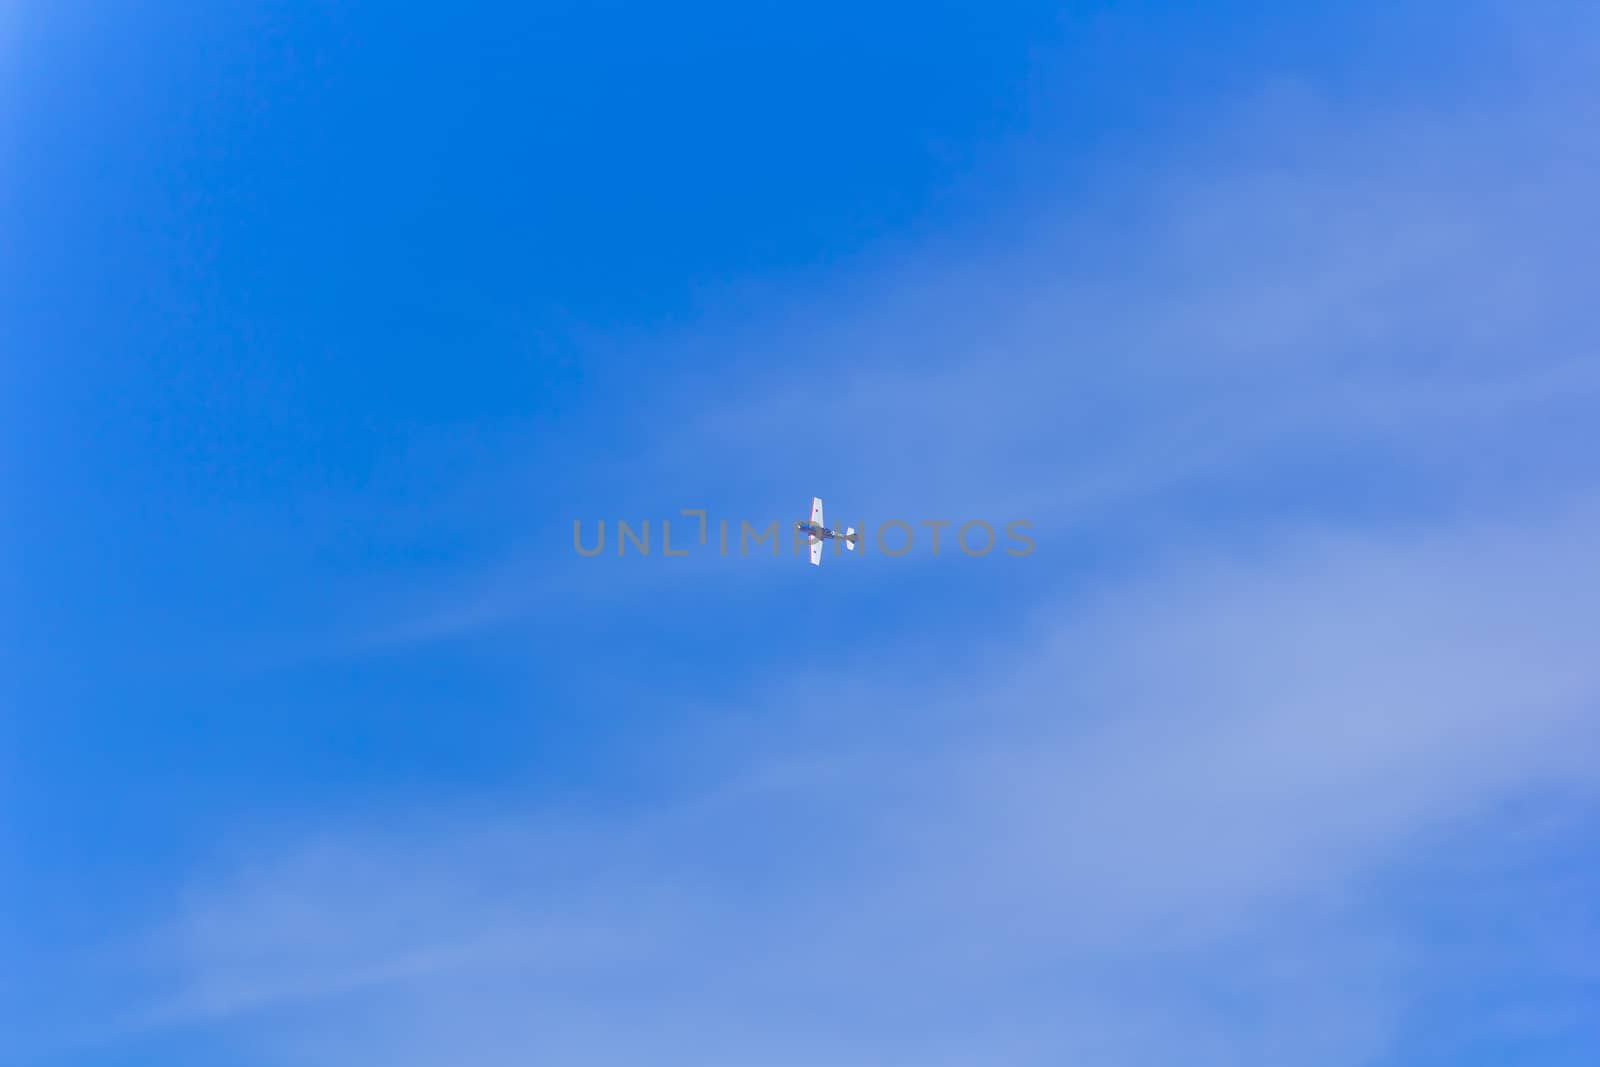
(321,327)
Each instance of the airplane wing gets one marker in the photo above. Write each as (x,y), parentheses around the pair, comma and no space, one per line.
(816,510)
(816,553)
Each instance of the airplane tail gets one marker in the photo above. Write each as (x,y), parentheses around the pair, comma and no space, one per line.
(851,537)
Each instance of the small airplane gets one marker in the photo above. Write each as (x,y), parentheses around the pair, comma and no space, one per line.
(817,533)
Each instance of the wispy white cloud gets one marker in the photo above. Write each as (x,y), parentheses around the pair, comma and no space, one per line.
(1395,298)
(1186,789)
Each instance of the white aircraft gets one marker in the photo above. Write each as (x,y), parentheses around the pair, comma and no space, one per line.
(817,533)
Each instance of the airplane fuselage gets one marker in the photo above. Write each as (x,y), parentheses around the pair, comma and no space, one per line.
(816,531)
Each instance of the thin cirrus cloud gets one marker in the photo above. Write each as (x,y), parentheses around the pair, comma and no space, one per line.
(1214,767)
